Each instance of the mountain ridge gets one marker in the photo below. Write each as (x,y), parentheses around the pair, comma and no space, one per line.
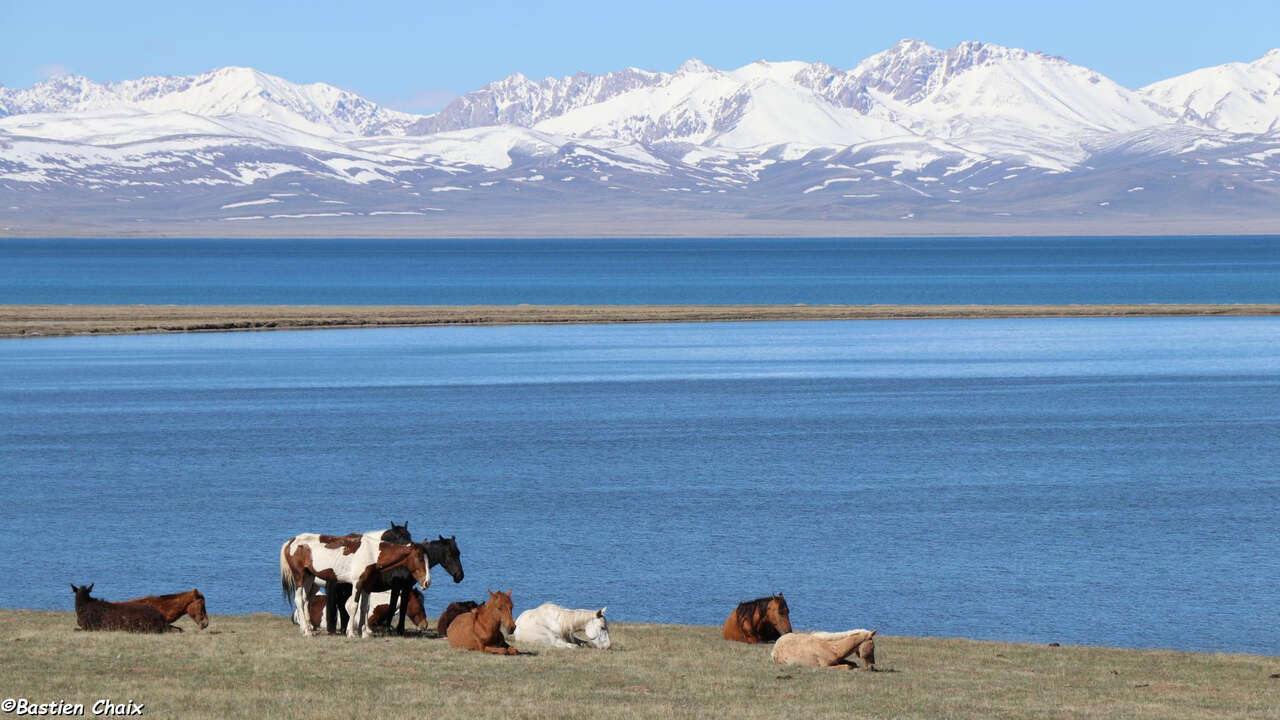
(976,132)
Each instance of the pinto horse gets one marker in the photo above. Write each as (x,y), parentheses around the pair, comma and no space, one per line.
(480,629)
(761,620)
(95,614)
(175,605)
(380,609)
(339,592)
(442,551)
(827,649)
(364,561)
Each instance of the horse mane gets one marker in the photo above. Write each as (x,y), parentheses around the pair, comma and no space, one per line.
(751,607)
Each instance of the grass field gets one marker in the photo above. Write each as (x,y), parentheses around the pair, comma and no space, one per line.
(56,320)
(260,666)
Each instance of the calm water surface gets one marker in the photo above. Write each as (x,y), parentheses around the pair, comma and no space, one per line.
(1081,481)
(619,272)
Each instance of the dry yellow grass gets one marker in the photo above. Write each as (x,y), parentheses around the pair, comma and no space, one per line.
(55,320)
(259,666)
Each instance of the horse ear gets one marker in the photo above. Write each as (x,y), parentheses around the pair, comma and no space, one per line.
(74,588)
(508,593)
(90,588)
(600,613)
(441,537)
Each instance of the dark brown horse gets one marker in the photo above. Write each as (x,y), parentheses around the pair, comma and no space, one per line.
(761,620)
(175,605)
(454,610)
(95,614)
(481,629)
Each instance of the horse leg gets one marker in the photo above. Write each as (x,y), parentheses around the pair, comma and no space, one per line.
(302,603)
(331,603)
(362,614)
(343,592)
(353,611)
(404,605)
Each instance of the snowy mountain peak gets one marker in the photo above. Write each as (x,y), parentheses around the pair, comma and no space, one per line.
(1235,97)
(693,66)
(317,108)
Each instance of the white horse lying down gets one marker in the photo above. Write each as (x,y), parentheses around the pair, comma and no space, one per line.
(550,625)
(826,649)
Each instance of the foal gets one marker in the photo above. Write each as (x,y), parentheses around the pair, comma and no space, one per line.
(480,629)
(95,614)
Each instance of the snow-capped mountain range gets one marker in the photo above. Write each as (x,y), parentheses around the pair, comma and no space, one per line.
(977,133)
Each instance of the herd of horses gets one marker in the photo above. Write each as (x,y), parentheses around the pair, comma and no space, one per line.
(369,578)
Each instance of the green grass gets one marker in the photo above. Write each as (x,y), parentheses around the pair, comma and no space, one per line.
(260,666)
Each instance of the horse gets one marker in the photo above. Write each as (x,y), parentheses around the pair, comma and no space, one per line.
(364,561)
(443,552)
(175,605)
(452,611)
(95,614)
(480,629)
(339,592)
(555,626)
(380,609)
(760,620)
(827,649)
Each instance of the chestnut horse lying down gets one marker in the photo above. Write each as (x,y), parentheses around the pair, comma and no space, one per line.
(480,629)
(95,614)
(452,611)
(550,625)
(380,612)
(827,649)
(760,620)
(175,605)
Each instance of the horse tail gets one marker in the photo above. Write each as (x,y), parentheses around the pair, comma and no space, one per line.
(287,585)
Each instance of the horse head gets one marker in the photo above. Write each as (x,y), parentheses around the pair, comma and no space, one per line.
(196,609)
(444,552)
(597,631)
(499,604)
(85,589)
(398,534)
(779,615)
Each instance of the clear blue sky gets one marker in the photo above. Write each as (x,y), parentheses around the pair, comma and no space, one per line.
(414,55)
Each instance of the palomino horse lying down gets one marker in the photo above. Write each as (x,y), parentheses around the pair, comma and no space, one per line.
(827,649)
(550,625)
(175,605)
(380,612)
(760,620)
(365,561)
(480,629)
(95,614)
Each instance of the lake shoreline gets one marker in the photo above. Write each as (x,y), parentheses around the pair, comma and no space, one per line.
(31,321)
(260,666)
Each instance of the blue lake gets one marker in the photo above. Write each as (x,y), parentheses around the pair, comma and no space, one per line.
(662,271)
(1101,481)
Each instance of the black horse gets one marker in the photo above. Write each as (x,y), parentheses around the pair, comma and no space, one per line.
(442,551)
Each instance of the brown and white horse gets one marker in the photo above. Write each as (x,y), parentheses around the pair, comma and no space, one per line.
(364,561)
(175,605)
